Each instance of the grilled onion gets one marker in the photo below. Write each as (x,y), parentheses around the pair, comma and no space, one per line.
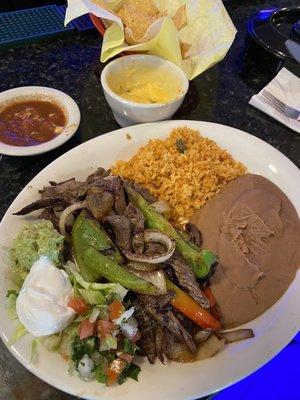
(239,334)
(157,278)
(144,267)
(154,236)
(210,347)
(67,211)
(179,352)
(202,336)
(161,207)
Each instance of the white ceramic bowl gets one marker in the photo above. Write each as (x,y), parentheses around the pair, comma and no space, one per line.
(63,100)
(128,112)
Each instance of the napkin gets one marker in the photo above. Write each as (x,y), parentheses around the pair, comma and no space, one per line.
(286,87)
(202,37)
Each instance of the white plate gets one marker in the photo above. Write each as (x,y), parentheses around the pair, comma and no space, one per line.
(68,105)
(273,330)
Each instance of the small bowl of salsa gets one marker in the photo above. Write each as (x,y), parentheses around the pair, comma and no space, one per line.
(36,119)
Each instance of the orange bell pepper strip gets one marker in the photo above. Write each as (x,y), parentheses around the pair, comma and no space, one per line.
(191,309)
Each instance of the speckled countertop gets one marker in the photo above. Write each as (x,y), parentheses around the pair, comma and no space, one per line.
(72,65)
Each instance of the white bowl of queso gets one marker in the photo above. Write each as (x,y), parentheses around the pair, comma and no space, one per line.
(143,88)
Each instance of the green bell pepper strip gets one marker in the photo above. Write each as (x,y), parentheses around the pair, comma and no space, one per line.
(89,232)
(184,236)
(200,261)
(102,266)
(93,265)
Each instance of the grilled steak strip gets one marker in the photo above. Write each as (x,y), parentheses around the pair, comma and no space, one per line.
(187,279)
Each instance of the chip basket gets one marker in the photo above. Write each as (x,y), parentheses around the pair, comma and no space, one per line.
(98,24)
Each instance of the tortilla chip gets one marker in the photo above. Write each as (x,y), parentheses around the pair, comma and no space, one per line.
(111,6)
(148,6)
(138,15)
(179,18)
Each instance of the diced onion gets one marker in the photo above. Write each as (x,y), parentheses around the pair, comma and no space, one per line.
(125,316)
(130,328)
(94,315)
(85,367)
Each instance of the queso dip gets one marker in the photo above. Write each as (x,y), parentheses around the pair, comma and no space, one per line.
(145,84)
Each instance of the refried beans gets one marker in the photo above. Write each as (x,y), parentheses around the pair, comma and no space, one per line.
(255,230)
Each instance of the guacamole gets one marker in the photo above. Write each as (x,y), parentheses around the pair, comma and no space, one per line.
(34,240)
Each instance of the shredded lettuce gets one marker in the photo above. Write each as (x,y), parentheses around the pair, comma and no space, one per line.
(103,313)
(67,338)
(11,306)
(12,291)
(19,332)
(101,366)
(109,291)
(51,342)
(109,343)
(93,297)
(33,351)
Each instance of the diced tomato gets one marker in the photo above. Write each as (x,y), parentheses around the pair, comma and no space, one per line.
(116,367)
(112,377)
(86,329)
(126,357)
(78,304)
(115,309)
(104,328)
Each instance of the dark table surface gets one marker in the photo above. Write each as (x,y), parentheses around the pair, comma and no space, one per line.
(220,95)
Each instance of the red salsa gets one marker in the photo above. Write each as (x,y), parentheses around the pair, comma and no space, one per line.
(32,122)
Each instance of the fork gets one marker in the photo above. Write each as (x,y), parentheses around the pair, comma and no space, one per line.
(281,107)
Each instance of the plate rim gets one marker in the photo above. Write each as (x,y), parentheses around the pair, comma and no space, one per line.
(188,123)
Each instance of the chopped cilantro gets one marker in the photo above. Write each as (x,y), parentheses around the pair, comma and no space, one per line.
(99,374)
(132,371)
(82,347)
(129,347)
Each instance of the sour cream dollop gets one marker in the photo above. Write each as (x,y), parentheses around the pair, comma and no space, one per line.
(42,302)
